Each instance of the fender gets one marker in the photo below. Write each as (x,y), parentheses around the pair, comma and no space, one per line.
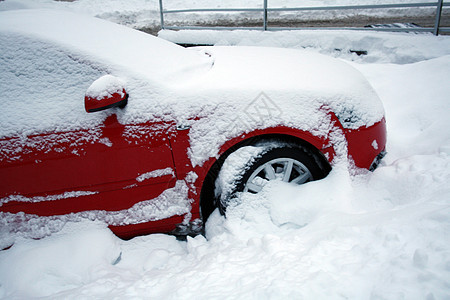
(180,144)
(355,138)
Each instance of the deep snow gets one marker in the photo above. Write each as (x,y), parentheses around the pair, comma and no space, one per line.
(352,235)
(380,47)
(380,235)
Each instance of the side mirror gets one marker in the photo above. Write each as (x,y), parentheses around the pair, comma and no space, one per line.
(106,92)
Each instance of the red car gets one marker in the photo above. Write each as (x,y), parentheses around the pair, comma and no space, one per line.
(103,122)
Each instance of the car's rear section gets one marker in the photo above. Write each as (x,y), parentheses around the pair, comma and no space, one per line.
(367,145)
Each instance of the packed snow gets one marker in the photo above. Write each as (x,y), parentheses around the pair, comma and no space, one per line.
(353,235)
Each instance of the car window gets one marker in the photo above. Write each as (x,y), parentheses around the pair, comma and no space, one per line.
(43,87)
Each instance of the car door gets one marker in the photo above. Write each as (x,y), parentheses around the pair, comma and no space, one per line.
(110,167)
(47,169)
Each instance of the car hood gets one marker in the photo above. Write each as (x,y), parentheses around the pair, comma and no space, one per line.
(292,75)
(250,88)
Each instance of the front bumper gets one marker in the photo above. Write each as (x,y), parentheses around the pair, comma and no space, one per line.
(367,145)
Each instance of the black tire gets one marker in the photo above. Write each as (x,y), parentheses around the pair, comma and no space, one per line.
(306,166)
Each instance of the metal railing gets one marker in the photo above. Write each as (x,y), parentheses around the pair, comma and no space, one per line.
(265,10)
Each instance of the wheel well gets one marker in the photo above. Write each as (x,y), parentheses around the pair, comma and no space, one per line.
(207,197)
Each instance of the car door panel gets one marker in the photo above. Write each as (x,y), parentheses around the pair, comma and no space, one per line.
(107,166)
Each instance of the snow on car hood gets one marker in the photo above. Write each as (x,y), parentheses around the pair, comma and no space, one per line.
(220,92)
(302,76)
(252,88)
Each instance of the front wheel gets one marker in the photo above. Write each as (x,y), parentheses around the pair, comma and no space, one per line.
(250,168)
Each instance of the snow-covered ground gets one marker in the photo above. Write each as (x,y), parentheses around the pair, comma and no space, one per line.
(145,13)
(376,47)
(352,235)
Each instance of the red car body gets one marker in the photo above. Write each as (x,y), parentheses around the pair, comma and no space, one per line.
(110,170)
(105,170)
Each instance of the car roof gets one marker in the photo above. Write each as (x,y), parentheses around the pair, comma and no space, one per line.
(118,47)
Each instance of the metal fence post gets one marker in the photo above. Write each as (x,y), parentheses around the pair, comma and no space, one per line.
(265,15)
(438,17)
(161,13)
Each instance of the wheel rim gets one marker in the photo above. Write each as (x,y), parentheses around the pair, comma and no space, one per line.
(284,169)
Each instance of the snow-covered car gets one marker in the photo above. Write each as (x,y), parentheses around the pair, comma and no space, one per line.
(104,122)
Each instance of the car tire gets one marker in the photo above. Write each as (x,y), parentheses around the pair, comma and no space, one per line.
(249,168)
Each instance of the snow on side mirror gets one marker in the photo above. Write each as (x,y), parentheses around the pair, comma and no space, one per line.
(106,92)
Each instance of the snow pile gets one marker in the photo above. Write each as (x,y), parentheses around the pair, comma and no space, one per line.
(381,47)
(342,237)
(78,254)
(416,100)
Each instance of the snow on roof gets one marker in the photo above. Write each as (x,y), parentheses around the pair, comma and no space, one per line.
(104,41)
(50,58)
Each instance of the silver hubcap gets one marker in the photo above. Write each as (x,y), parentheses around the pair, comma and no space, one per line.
(284,169)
